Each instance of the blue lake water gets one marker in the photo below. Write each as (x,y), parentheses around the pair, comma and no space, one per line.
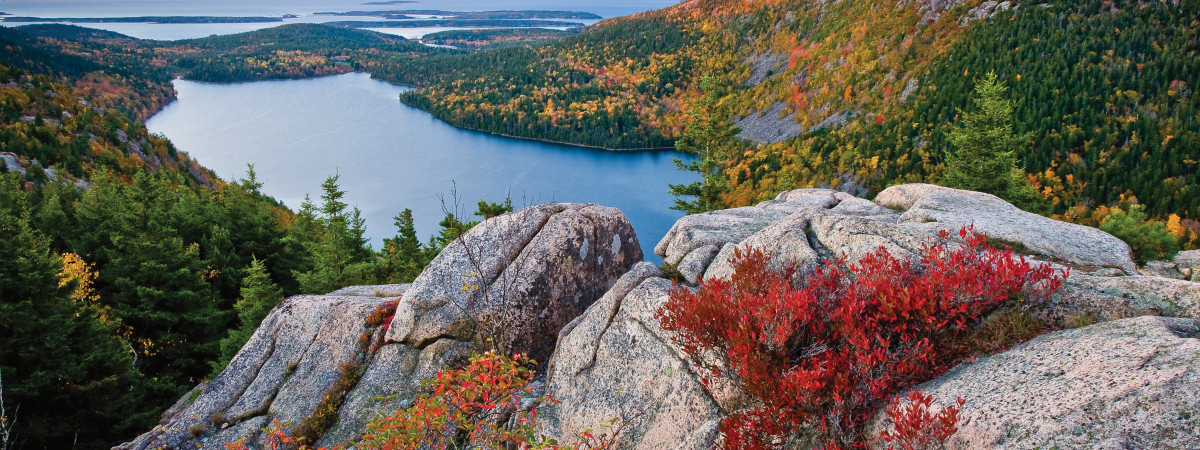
(391,156)
(302,8)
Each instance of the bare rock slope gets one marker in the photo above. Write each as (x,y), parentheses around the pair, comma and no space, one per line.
(1129,383)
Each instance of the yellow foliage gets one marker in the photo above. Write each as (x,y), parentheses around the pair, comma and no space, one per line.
(1175,227)
(76,270)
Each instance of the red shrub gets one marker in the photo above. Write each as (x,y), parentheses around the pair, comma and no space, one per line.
(457,399)
(830,351)
(914,427)
(383,314)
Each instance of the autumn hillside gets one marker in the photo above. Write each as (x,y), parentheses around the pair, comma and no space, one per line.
(856,95)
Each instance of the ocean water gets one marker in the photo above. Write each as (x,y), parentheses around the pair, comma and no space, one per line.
(390,156)
(302,8)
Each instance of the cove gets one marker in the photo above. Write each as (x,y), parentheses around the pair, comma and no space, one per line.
(390,156)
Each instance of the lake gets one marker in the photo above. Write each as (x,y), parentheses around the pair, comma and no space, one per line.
(304,9)
(390,156)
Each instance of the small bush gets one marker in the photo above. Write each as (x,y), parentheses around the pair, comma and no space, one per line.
(1082,319)
(1004,328)
(382,314)
(217,419)
(464,407)
(671,272)
(827,352)
(914,427)
(273,438)
(1149,239)
(449,413)
(326,413)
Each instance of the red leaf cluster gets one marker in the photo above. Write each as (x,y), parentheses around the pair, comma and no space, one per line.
(827,352)
(914,427)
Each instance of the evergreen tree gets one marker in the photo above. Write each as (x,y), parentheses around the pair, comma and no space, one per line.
(1149,240)
(259,296)
(985,146)
(709,135)
(403,256)
(264,230)
(66,375)
(488,210)
(452,228)
(152,281)
(340,255)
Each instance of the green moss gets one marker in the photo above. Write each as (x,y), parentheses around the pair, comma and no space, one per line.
(1016,247)
(671,272)
(195,394)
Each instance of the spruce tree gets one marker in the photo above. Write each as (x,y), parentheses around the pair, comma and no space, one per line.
(340,255)
(452,228)
(66,374)
(152,280)
(403,256)
(488,210)
(709,135)
(259,296)
(1148,239)
(985,147)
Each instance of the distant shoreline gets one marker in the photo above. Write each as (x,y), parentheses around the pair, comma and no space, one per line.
(149,19)
(453,23)
(547,141)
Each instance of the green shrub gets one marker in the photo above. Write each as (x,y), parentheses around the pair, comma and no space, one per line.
(1148,239)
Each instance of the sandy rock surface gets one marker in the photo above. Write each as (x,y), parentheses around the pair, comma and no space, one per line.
(1129,383)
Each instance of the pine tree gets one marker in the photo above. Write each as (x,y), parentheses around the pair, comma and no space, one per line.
(488,210)
(709,135)
(1148,239)
(985,148)
(452,228)
(259,296)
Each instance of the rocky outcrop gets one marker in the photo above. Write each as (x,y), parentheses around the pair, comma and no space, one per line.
(519,279)
(615,361)
(1109,298)
(279,374)
(516,279)
(555,281)
(1185,266)
(772,125)
(1128,383)
(931,208)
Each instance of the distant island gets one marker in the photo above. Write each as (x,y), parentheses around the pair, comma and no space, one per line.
(492,38)
(476,15)
(470,23)
(151,19)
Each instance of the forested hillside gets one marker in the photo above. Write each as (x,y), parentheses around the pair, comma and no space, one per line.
(1104,89)
(287,51)
(858,95)
(128,272)
(604,87)
(52,130)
